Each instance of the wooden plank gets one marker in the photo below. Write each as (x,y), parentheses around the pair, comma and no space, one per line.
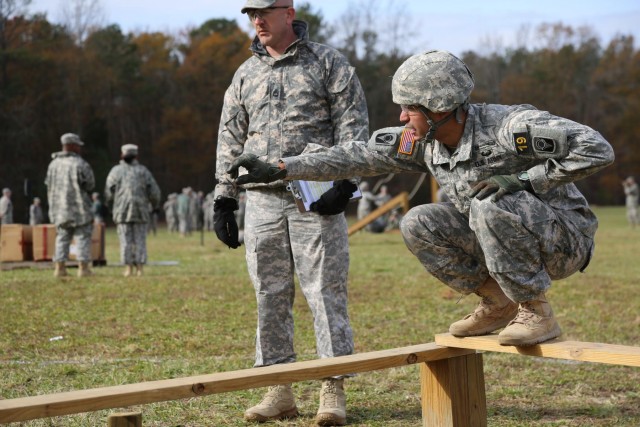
(73,402)
(452,392)
(570,350)
(401,199)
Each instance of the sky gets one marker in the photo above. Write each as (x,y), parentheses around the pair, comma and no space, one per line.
(480,26)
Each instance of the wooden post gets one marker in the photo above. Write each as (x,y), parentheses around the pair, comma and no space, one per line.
(453,392)
(434,189)
(125,419)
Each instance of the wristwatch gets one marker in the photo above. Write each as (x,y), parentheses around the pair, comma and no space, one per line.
(524,178)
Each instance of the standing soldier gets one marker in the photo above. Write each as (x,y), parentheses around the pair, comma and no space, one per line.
(171,213)
(6,207)
(98,209)
(35,212)
(184,203)
(69,184)
(292,92)
(129,190)
(632,194)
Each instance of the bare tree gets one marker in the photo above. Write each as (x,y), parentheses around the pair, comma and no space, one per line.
(82,17)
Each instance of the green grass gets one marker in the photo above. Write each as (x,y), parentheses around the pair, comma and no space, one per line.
(198,317)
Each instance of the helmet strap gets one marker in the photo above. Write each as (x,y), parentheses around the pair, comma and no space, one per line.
(433,126)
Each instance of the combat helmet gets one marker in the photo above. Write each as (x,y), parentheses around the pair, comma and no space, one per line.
(436,79)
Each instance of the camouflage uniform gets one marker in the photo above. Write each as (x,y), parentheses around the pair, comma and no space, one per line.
(6,208)
(129,190)
(273,108)
(524,240)
(171,213)
(69,184)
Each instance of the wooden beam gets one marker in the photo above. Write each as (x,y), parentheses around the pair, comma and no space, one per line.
(570,350)
(453,393)
(401,199)
(73,402)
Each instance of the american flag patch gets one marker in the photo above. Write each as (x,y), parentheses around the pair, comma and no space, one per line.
(406,142)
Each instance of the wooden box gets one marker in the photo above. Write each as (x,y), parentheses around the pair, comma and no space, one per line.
(44,242)
(15,242)
(97,244)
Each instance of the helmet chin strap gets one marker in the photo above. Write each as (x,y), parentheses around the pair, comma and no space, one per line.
(433,125)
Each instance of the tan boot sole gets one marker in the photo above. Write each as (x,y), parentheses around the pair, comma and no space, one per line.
(519,342)
(328,419)
(259,418)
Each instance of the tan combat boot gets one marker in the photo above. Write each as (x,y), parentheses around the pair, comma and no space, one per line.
(139,271)
(533,324)
(277,404)
(495,311)
(84,270)
(60,270)
(332,410)
(128,270)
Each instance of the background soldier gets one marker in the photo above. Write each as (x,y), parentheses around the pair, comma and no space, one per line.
(294,92)
(35,212)
(69,184)
(6,207)
(171,212)
(129,190)
(515,222)
(632,194)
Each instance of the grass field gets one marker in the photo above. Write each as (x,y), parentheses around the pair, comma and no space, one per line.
(198,317)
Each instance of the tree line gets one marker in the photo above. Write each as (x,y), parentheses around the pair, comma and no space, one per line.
(164,92)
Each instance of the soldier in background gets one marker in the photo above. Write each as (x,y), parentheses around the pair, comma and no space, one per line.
(6,207)
(69,184)
(171,212)
(35,212)
(98,209)
(632,194)
(129,190)
(184,213)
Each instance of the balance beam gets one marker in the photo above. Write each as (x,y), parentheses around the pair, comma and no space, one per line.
(444,380)
(612,354)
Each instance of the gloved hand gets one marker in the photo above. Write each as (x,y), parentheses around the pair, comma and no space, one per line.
(259,171)
(500,185)
(224,221)
(334,200)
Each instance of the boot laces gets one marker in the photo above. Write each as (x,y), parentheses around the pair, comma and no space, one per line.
(273,395)
(329,394)
(526,314)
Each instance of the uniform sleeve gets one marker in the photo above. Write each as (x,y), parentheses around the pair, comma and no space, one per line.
(155,195)
(109,188)
(87,179)
(232,134)
(352,158)
(349,112)
(586,153)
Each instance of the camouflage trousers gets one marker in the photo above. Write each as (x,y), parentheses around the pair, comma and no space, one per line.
(279,241)
(520,241)
(133,243)
(82,248)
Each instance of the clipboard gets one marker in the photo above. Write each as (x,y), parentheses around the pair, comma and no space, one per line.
(307,192)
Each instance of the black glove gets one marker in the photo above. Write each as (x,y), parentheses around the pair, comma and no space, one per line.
(334,200)
(500,185)
(259,171)
(224,221)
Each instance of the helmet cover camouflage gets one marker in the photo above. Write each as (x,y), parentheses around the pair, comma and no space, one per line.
(437,80)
